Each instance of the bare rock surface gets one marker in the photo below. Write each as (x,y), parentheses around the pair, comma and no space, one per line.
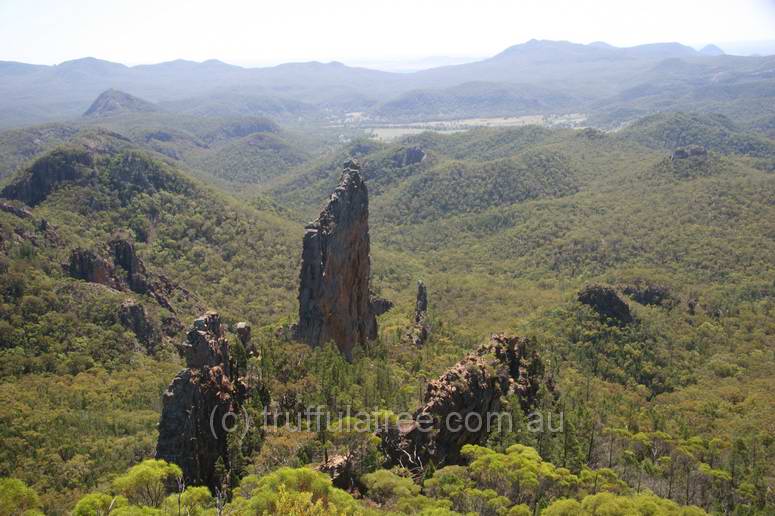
(472,391)
(419,331)
(191,433)
(87,265)
(123,270)
(334,294)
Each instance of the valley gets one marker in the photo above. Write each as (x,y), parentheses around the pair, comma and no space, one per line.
(392,132)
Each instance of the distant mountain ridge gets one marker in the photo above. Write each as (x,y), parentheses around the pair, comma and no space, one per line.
(592,76)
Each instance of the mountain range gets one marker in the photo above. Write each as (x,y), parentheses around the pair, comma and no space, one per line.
(607,83)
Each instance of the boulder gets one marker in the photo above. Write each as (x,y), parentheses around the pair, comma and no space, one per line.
(334,293)
(380,305)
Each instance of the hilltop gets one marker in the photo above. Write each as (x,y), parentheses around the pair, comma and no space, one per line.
(112,102)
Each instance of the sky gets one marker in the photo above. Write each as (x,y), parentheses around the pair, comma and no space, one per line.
(261,32)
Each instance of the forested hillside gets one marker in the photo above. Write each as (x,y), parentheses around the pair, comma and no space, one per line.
(228,152)
(115,235)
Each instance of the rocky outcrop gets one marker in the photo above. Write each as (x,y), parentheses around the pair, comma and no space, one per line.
(688,152)
(134,318)
(472,392)
(420,329)
(244,336)
(195,405)
(334,300)
(171,325)
(123,271)
(421,302)
(607,303)
(340,469)
(647,293)
(380,305)
(87,265)
(21,212)
(124,256)
(408,156)
(243,332)
(59,166)
(691,162)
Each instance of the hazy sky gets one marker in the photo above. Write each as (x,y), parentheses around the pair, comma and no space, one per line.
(268,32)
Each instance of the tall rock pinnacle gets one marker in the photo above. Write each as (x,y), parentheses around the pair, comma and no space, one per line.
(190,431)
(334,290)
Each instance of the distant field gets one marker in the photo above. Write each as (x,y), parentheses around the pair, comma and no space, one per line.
(392,133)
(389,132)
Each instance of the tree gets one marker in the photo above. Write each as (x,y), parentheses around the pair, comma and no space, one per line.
(17,499)
(145,483)
(191,502)
(99,504)
(384,486)
(265,494)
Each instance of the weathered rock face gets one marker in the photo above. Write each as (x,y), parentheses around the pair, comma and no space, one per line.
(124,256)
(334,302)
(469,391)
(420,329)
(124,271)
(202,393)
(88,266)
(691,162)
(607,303)
(133,317)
